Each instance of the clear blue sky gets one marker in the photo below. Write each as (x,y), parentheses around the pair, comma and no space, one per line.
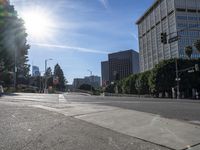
(83,31)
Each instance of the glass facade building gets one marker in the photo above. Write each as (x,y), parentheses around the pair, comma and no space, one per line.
(105,73)
(122,64)
(35,71)
(170,16)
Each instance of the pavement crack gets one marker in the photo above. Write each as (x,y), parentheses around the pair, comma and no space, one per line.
(193,146)
(74,116)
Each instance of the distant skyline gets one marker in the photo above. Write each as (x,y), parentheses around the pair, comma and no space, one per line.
(83,32)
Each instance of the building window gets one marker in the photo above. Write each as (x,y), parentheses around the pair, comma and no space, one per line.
(182,17)
(192,18)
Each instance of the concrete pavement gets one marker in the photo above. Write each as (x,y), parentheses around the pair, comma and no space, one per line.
(26,128)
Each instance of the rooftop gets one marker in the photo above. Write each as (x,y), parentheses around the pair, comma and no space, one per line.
(123,51)
(148,11)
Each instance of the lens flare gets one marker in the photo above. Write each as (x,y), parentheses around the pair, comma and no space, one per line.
(38,24)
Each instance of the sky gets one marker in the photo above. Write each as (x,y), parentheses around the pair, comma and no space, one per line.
(80,33)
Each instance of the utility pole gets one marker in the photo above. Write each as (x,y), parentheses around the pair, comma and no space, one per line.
(177,80)
(15,69)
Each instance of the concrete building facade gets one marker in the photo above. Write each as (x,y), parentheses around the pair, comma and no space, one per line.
(122,64)
(94,81)
(168,16)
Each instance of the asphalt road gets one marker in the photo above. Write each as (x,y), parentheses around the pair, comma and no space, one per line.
(186,110)
(23,127)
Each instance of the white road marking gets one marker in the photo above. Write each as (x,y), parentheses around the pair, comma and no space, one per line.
(33,97)
(62,98)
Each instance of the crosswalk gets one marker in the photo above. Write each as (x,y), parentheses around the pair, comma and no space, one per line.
(31,97)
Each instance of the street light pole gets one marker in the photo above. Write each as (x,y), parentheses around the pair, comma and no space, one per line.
(90,81)
(45,84)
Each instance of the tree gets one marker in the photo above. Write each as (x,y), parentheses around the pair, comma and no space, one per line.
(13,43)
(189,51)
(48,72)
(86,87)
(197,45)
(58,72)
(142,84)
(110,88)
(162,77)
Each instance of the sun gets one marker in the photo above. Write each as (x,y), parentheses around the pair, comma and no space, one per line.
(37,24)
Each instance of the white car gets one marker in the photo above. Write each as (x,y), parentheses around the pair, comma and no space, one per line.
(1,90)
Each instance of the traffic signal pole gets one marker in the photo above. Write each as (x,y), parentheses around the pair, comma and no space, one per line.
(174,39)
(177,80)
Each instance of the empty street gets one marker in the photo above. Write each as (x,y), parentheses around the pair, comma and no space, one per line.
(80,121)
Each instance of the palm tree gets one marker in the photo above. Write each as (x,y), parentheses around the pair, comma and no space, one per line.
(197,45)
(189,51)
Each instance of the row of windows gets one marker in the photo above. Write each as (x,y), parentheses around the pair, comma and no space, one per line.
(149,24)
(193,4)
(182,55)
(188,34)
(185,25)
(191,18)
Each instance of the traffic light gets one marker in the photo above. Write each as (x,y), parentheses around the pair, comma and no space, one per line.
(196,67)
(164,38)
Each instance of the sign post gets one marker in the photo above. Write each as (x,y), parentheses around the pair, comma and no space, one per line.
(173,39)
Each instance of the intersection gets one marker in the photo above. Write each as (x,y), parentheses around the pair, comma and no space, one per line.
(35,121)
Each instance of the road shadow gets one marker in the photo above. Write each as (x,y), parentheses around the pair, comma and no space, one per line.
(9,94)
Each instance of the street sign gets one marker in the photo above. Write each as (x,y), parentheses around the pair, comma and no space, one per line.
(173,39)
(190,71)
(55,80)
(196,67)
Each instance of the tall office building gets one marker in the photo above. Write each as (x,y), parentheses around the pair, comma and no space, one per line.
(168,16)
(122,64)
(104,73)
(35,71)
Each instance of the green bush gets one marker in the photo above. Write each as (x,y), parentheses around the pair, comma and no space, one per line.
(160,79)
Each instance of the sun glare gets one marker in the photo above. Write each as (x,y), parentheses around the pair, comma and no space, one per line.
(37,24)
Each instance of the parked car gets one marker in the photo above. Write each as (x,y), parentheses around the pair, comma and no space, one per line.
(1,90)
